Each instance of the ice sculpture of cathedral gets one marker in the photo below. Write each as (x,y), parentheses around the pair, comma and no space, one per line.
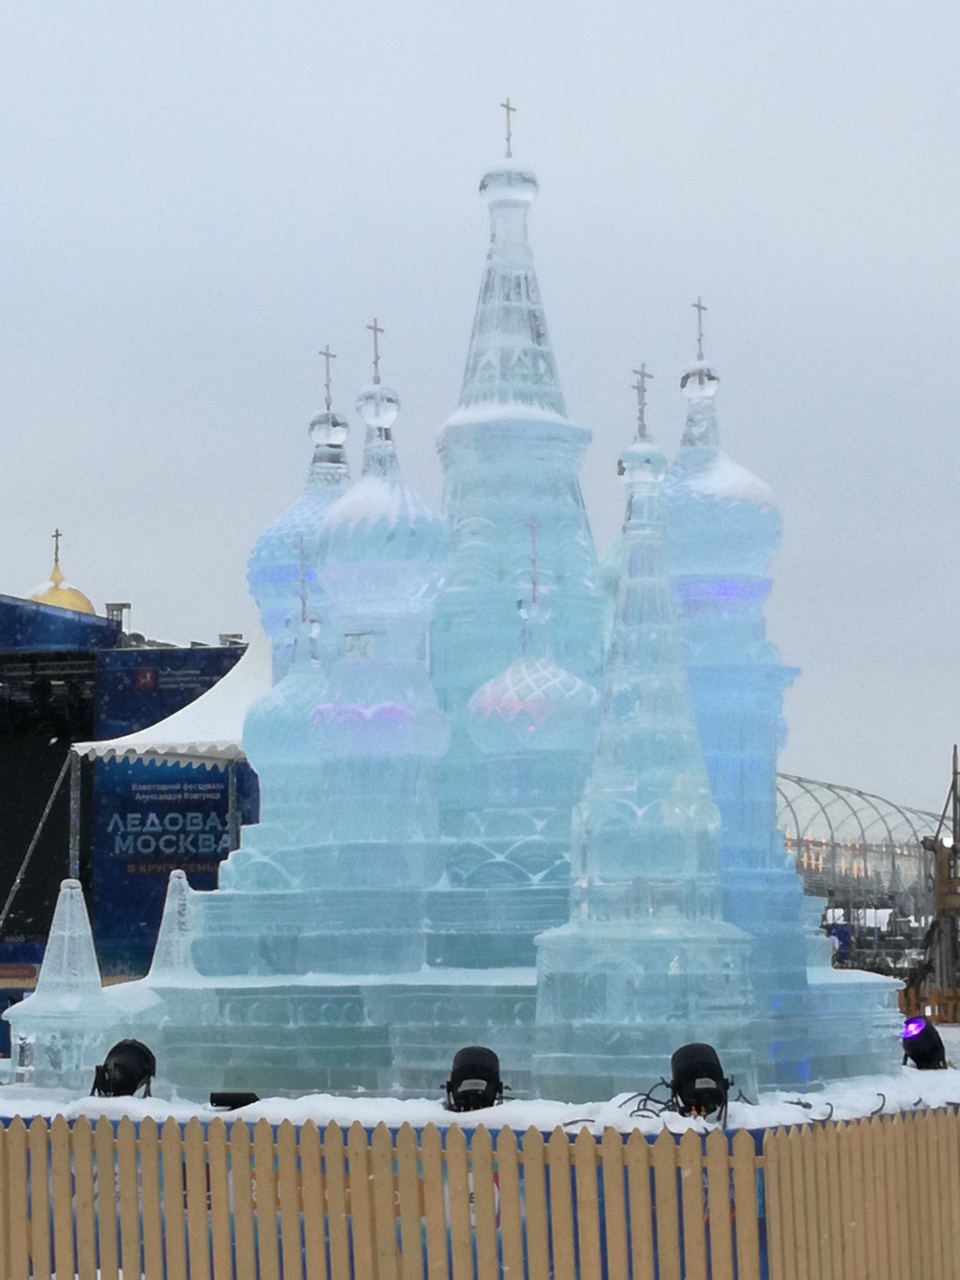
(436,744)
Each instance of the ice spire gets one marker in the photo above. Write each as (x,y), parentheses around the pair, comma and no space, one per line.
(61,1030)
(510,360)
(171,956)
(645,962)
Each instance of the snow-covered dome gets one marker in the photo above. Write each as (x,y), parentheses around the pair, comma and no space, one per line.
(381,546)
(284,558)
(720,519)
(534,705)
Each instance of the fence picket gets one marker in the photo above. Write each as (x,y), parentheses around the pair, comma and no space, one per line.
(38,1139)
(197,1193)
(434,1206)
(129,1196)
(667,1209)
(855,1142)
(637,1160)
(291,1206)
(220,1233)
(561,1206)
(773,1156)
(86,1228)
(798,1201)
(585,1154)
(535,1184)
(484,1202)
(745,1197)
(511,1223)
(334,1154)
(174,1188)
(690,1166)
(106,1200)
(384,1202)
(241,1167)
(899,1198)
(18,1190)
(940,1124)
(313,1197)
(61,1203)
(265,1195)
(458,1192)
(919,1244)
(719,1206)
(817,1177)
(149,1143)
(614,1205)
(411,1207)
(361,1210)
(952,1186)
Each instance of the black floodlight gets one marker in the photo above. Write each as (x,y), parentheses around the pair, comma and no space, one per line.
(128,1066)
(698,1085)
(232,1099)
(474,1079)
(922,1045)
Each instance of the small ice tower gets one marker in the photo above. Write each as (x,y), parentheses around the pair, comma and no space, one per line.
(645,962)
(276,568)
(64,1029)
(723,528)
(509,454)
(509,875)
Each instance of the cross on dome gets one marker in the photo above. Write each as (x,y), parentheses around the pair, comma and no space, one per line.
(700,308)
(640,386)
(376,330)
(328,355)
(509,111)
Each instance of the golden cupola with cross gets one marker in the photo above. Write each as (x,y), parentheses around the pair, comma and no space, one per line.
(56,591)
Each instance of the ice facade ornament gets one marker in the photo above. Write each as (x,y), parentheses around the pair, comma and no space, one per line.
(645,961)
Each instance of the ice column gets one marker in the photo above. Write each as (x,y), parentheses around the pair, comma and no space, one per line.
(509,454)
(645,962)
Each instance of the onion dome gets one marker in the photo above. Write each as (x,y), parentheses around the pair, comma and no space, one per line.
(720,519)
(534,705)
(381,524)
(286,552)
(59,593)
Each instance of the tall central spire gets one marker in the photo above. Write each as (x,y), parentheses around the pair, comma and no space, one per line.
(510,361)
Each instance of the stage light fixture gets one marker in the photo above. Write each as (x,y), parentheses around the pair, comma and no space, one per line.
(697,1085)
(128,1066)
(474,1079)
(232,1099)
(922,1045)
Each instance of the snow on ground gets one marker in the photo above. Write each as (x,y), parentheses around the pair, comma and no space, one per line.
(905,1089)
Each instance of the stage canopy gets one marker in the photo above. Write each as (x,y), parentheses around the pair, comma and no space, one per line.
(208,731)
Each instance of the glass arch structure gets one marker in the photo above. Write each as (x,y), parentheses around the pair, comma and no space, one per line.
(855,847)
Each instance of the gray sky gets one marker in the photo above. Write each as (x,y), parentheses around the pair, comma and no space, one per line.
(195,197)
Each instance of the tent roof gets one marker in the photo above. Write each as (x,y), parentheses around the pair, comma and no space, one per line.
(208,730)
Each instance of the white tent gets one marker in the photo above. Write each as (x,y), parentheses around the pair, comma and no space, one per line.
(208,731)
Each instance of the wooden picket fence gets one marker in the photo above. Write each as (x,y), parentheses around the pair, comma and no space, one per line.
(871,1200)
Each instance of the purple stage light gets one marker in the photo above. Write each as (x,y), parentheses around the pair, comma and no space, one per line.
(913,1027)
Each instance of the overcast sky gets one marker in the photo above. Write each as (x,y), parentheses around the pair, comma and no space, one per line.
(195,197)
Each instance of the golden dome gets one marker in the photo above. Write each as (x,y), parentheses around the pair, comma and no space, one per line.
(61,594)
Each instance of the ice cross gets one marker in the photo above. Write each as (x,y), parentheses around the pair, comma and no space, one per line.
(640,387)
(700,309)
(376,331)
(56,536)
(327,357)
(509,112)
(533,524)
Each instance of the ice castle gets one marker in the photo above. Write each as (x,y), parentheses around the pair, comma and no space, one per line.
(508,795)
